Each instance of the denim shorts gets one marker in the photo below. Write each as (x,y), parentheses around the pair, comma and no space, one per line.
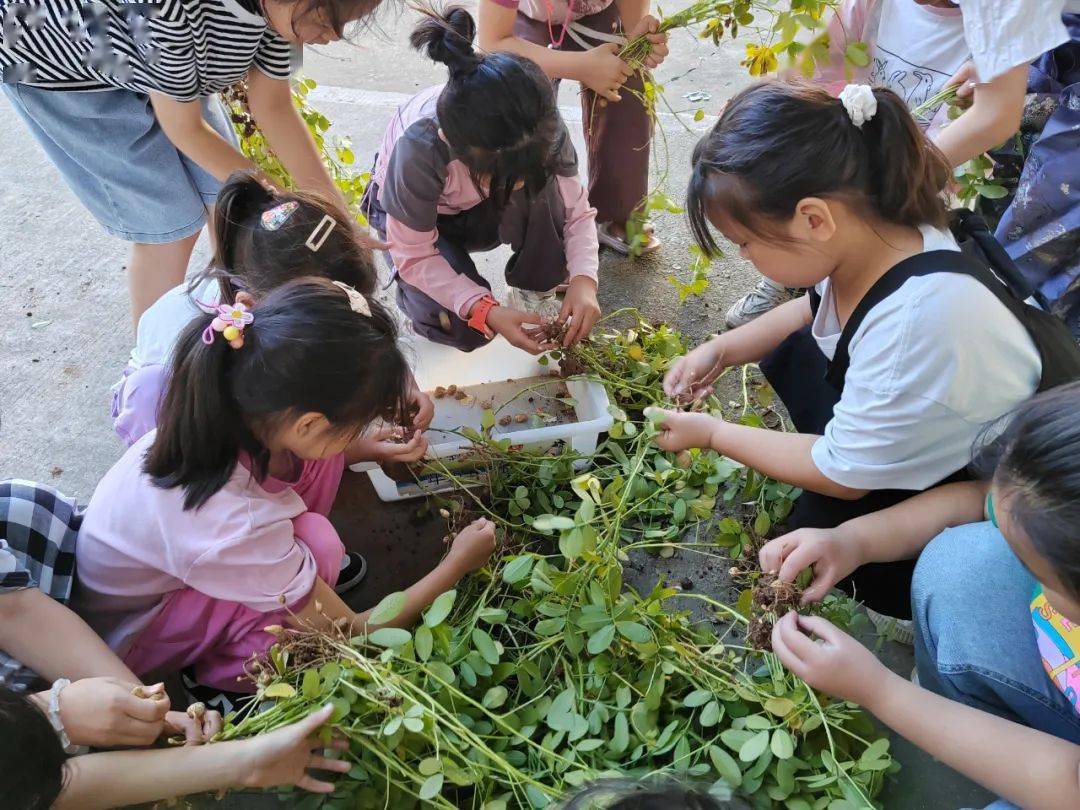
(118,161)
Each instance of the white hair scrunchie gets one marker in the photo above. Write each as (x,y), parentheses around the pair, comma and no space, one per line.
(859,102)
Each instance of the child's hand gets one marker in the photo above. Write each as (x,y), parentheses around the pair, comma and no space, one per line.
(832,556)
(581,307)
(473,546)
(379,448)
(603,72)
(680,431)
(835,663)
(195,730)
(510,324)
(103,713)
(646,27)
(692,375)
(425,407)
(285,756)
(965,79)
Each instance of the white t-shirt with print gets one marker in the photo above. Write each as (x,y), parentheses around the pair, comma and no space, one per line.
(918,48)
(930,366)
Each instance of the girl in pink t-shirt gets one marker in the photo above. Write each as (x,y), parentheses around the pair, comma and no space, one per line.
(580,40)
(195,540)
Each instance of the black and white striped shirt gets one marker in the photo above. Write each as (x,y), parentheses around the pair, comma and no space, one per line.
(185,49)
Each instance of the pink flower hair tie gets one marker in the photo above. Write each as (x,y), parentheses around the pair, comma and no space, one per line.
(230,321)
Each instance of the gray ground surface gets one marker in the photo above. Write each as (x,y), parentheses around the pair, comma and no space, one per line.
(66,334)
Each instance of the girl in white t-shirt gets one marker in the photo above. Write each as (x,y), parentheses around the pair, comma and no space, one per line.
(841,196)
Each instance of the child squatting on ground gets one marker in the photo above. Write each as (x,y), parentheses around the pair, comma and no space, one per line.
(95,700)
(214,526)
(481,161)
(263,239)
(996,600)
(139,135)
(904,347)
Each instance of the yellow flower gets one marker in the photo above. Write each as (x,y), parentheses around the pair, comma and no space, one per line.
(760,60)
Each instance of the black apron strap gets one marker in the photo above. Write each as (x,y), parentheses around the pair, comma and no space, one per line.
(1058,352)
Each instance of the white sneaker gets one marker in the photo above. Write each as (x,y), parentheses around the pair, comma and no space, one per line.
(545,304)
(902,631)
(765,296)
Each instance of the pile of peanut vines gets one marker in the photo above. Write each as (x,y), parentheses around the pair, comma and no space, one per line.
(544,670)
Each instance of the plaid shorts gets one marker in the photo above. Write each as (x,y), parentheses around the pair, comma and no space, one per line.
(38,529)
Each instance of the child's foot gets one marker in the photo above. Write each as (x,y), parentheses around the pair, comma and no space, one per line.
(767,295)
(613,235)
(219,700)
(544,303)
(353,571)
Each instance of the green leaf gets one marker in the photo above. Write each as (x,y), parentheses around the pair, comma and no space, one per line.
(279,691)
(992,191)
(699,697)
(620,738)
(312,684)
(517,568)
(779,706)
(699,115)
(547,523)
(754,747)
(560,715)
(431,787)
(440,608)
(601,639)
(388,609)
(429,766)
(762,524)
(632,631)
(726,766)
(390,637)
(679,513)
(423,642)
(413,724)
(495,697)
(782,745)
(857,54)
(485,646)
(487,419)
(710,715)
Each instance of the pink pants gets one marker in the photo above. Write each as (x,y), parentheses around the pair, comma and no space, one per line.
(217,636)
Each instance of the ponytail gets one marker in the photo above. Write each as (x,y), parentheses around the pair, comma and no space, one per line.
(497,111)
(908,173)
(306,351)
(201,431)
(240,201)
(447,38)
(779,142)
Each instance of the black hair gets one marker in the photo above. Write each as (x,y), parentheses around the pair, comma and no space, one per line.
(306,351)
(31,756)
(253,257)
(778,142)
(1035,461)
(628,794)
(497,112)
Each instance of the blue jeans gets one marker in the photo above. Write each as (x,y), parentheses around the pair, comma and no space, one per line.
(974,638)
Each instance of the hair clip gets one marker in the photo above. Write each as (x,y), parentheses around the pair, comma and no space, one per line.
(859,103)
(277,216)
(357,302)
(321,231)
(230,321)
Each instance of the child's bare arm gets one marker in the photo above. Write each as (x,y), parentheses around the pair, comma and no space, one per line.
(597,68)
(271,105)
(897,533)
(73,650)
(471,549)
(1029,768)
(183,124)
(122,778)
(992,118)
